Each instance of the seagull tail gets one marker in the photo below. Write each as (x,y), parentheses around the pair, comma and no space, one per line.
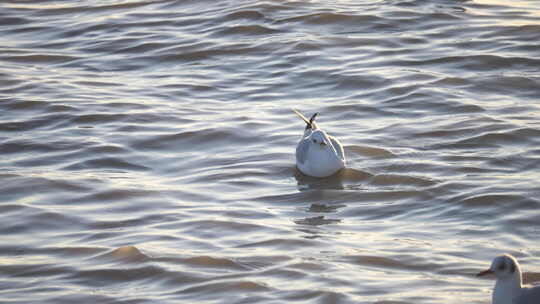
(310,123)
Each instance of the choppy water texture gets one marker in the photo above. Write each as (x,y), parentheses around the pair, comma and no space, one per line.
(147,150)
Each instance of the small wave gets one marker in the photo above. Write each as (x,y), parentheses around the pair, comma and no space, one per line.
(39,220)
(333,18)
(225,287)
(473,62)
(351,82)
(6,20)
(116,195)
(324,208)
(206,54)
(97,118)
(497,199)
(19,185)
(513,137)
(185,140)
(393,179)
(207,229)
(453,82)
(36,123)
(59,108)
(40,58)
(528,32)
(370,151)
(525,87)
(212,262)
(245,14)
(111,275)
(106,162)
(143,47)
(125,254)
(405,263)
(316,221)
(22,105)
(248,30)
(280,244)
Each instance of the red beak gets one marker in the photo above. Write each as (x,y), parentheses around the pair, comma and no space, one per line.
(483,273)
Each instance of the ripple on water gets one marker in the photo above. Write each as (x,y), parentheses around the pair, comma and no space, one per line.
(106,163)
(125,254)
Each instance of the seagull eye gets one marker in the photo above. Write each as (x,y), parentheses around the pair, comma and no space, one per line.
(501,267)
(314,140)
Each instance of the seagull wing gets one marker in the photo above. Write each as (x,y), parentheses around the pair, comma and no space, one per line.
(338,146)
(529,296)
(302,150)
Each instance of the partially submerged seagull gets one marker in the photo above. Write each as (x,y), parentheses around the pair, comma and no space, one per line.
(318,154)
(508,288)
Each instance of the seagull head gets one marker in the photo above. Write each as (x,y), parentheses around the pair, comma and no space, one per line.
(504,267)
(508,285)
(319,138)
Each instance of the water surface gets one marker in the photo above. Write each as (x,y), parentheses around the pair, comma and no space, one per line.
(147,150)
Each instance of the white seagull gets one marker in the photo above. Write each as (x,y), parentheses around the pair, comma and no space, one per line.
(508,288)
(318,154)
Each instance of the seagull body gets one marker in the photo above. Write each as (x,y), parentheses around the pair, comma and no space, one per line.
(318,154)
(508,288)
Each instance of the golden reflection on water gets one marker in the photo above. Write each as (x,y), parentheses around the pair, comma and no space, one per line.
(518,3)
(532,9)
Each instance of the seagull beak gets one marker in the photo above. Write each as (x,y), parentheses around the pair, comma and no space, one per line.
(323,143)
(485,272)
